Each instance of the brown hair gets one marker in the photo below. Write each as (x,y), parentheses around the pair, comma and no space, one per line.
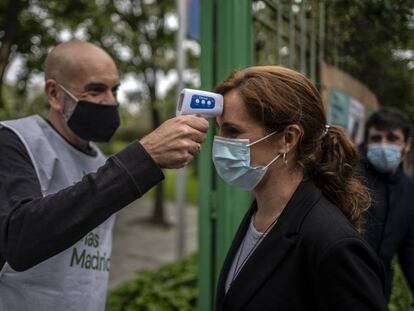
(277,97)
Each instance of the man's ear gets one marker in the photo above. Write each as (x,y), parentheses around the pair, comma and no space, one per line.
(407,146)
(55,95)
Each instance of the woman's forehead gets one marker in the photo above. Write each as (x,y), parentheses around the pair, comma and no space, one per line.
(234,108)
(235,112)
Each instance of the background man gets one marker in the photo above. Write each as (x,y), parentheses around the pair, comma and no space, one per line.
(389,226)
(57,191)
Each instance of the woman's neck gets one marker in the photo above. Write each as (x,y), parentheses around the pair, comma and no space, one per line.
(274,194)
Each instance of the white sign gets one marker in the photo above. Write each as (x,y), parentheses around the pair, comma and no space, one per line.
(356,121)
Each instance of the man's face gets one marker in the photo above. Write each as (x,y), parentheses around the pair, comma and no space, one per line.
(392,137)
(95,79)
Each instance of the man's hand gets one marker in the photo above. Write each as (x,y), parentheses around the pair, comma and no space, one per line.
(175,142)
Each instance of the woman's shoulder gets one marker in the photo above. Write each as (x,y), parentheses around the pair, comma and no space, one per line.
(327,235)
(325,225)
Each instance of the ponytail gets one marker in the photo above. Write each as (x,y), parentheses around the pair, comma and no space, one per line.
(335,175)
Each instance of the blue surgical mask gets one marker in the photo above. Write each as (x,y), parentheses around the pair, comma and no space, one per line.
(231,158)
(384,157)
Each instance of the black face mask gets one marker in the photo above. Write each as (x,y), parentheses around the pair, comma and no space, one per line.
(91,121)
(94,122)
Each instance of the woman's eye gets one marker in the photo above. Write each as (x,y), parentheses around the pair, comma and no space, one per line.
(231,132)
(234,131)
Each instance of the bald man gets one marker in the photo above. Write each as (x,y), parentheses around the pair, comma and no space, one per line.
(58,192)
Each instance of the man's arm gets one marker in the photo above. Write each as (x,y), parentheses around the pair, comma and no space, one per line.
(34,228)
(406,255)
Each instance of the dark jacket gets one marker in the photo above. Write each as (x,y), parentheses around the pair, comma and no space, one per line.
(312,259)
(389,223)
(28,221)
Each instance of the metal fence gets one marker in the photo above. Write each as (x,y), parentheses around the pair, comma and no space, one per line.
(289,33)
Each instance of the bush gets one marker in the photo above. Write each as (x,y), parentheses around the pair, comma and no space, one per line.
(400,296)
(170,288)
(173,287)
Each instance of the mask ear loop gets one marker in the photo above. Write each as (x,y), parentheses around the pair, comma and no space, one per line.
(67,113)
(263,138)
(67,92)
(271,162)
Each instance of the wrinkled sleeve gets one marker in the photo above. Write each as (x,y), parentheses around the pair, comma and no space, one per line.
(34,228)
(406,255)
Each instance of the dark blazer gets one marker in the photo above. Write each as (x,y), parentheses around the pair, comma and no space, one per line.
(312,259)
(389,223)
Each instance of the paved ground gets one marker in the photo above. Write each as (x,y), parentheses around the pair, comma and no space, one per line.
(139,245)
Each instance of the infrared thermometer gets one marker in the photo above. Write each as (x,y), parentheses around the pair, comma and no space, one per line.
(196,102)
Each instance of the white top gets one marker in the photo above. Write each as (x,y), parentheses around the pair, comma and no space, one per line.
(251,240)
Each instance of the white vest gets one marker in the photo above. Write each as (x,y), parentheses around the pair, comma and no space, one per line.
(75,279)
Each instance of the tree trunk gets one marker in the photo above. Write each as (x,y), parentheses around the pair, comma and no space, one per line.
(158,215)
(13,10)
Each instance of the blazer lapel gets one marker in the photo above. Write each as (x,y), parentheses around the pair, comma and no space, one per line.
(271,251)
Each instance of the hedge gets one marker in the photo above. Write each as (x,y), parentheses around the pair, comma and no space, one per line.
(170,288)
(400,296)
(173,288)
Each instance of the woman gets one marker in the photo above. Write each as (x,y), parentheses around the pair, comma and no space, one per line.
(298,247)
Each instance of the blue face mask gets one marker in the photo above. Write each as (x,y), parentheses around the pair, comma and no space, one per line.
(384,157)
(231,158)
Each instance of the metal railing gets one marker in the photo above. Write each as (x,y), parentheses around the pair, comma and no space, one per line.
(290,33)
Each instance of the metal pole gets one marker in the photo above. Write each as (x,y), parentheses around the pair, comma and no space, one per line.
(206,178)
(313,42)
(321,31)
(291,36)
(303,37)
(181,178)
(279,33)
